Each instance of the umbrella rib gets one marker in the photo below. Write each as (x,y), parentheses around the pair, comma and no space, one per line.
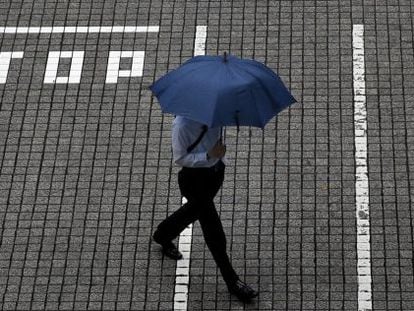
(172,81)
(235,75)
(217,97)
(266,92)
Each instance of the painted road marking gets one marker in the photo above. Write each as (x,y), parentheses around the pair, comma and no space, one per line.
(361,176)
(53,64)
(78,29)
(182,272)
(200,41)
(5,58)
(51,73)
(112,74)
(114,60)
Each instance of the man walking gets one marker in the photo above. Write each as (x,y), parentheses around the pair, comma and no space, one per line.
(200,151)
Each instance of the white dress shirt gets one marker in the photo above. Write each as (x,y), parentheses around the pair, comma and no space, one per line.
(184,133)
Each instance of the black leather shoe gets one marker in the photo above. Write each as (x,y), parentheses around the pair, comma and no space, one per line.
(172,251)
(242,291)
(168,249)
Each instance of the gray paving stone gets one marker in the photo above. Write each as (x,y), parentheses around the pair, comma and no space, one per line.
(85,169)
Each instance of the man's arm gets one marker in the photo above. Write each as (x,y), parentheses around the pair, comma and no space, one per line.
(196,159)
(193,159)
(180,143)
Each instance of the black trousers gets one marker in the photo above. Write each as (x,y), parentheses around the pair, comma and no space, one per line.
(200,186)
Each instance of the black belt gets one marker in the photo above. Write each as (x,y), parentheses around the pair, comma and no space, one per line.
(216,167)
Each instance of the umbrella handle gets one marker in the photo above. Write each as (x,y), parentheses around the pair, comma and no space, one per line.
(237,119)
(223,135)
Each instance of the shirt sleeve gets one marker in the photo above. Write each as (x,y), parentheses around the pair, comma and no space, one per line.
(180,143)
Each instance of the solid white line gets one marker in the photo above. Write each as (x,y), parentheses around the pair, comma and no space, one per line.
(182,273)
(361,176)
(200,40)
(78,29)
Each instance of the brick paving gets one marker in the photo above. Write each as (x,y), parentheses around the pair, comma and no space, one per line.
(86,171)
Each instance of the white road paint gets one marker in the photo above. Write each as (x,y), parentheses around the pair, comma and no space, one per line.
(53,64)
(182,273)
(184,245)
(5,58)
(361,177)
(75,72)
(113,72)
(114,60)
(78,29)
(200,40)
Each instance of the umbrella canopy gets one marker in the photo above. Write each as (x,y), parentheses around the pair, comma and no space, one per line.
(222,91)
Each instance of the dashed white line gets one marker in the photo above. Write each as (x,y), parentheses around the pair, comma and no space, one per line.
(361,175)
(182,273)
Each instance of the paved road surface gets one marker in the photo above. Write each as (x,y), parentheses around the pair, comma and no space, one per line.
(86,171)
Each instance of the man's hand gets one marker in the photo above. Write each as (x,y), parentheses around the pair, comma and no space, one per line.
(218,150)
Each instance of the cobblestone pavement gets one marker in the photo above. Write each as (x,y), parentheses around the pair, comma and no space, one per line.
(86,171)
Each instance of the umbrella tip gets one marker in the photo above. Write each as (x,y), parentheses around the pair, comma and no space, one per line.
(237,114)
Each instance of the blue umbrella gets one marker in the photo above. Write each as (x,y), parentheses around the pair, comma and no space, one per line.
(223,91)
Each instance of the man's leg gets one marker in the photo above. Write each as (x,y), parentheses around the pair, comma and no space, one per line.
(200,189)
(188,213)
(174,224)
(216,240)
